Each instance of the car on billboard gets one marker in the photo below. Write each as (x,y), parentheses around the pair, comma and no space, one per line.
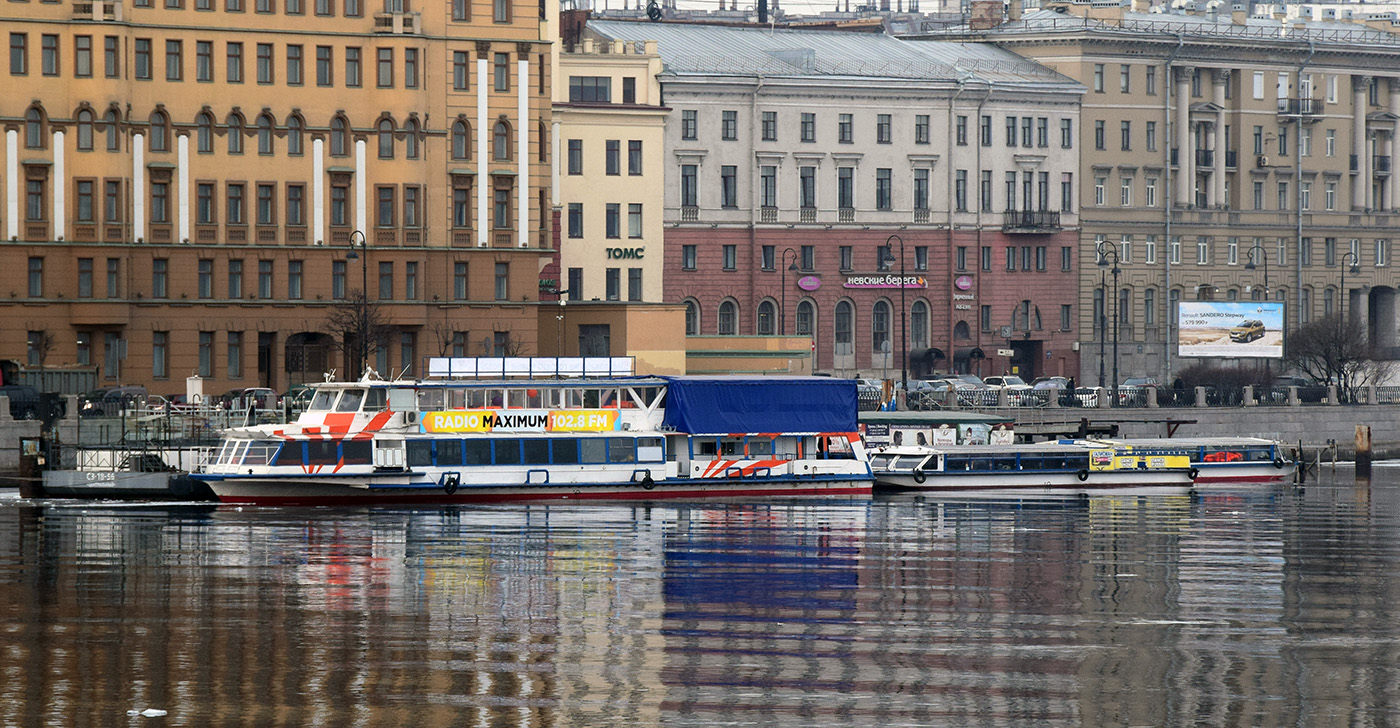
(1247,330)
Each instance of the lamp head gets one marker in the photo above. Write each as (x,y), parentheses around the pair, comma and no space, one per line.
(793,266)
(352,255)
(1250,265)
(1355,269)
(886,255)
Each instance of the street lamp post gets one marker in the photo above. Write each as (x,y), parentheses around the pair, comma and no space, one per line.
(1250,266)
(903,329)
(791,266)
(362,336)
(1102,324)
(1355,270)
(1106,251)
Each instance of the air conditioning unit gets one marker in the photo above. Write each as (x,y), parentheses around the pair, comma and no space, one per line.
(1261,161)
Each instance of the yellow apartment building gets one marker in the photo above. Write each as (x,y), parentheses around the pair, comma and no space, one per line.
(183,184)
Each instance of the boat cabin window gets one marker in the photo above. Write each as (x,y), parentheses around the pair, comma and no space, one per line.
(474,398)
(356,452)
(534,399)
(515,398)
(350,400)
(565,450)
(260,452)
(706,447)
(449,452)
(476,452)
(760,446)
(908,462)
(419,453)
(956,464)
(290,454)
(321,452)
(622,450)
(376,400)
(593,450)
(731,446)
(323,400)
(507,452)
(430,400)
(881,462)
(650,450)
(536,452)
(225,452)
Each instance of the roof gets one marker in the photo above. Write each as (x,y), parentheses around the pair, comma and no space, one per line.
(694,49)
(931,418)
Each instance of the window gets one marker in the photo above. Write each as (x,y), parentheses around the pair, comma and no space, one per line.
(143,58)
(294,270)
(500,66)
(82,56)
(575,219)
(731,258)
(386,281)
(266,204)
(845,313)
(500,11)
(1066,133)
(111,57)
(770,126)
(729,125)
(235,279)
(235,355)
(384,67)
(352,67)
(160,271)
(960,190)
(689,189)
(845,129)
(35,194)
(629,88)
(1099,183)
(36,277)
(160,354)
(1125,191)
(985,258)
(206,353)
(634,284)
(234,63)
(205,272)
(1098,78)
(459,281)
(634,220)
(461,71)
(503,281)
(882,129)
(1125,133)
(1099,135)
(845,187)
(692,317)
(728,318)
(48,55)
(112,201)
(19,54)
(808,254)
(611,222)
(688,257)
(1066,258)
(325,66)
(385,197)
(263,63)
(85,210)
(160,202)
(386,139)
(688,124)
(1011,131)
(728,192)
(500,141)
(809,127)
(612,153)
(768,185)
(410,68)
(921,189)
(634,157)
(921,127)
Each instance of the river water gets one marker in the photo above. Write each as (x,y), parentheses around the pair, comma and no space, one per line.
(1264,606)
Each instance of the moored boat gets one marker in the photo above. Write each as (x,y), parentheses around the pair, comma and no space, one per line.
(1072,467)
(568,438)
(1220,460)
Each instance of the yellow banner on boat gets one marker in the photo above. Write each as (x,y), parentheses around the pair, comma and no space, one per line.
(487,420)
(1112,460)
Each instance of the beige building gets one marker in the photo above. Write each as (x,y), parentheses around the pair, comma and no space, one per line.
(182,181)
(609,175)
(1210,141)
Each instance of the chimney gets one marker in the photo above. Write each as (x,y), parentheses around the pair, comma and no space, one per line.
(1013,10)
(1141,6)
(1238,17)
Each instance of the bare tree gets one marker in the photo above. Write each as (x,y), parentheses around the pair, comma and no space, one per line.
(43,344)
(1336,351)
(359,326)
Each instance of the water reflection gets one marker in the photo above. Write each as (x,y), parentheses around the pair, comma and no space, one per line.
(1259,607)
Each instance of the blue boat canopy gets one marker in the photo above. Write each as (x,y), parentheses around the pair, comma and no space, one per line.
(733,405)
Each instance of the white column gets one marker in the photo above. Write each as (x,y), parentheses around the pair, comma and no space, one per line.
(1360,180)
(11,184)
(360,184)
(138,186)
(1211,137)
(60,189)
(522,155)
(1185,147)
(555,133)
(182,149)
(1217,173)
(483,178)
(318,192)
(1393,203)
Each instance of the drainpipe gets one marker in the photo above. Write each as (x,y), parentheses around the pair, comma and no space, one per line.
(1167,199)
(1298,182)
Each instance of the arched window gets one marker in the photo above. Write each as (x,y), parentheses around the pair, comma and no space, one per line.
(880,327)
(112,122)
(842,328)
(84,130)
(961,331)
(265,139)
(766,313)
(806,318)
(918,325)
(338,137)
(692,317)
(294,136)
(500,145)
(461,140)
(235,133)
(386,139)
(728,318)
(410,139)
(34,128)
(160,132)
(204,133)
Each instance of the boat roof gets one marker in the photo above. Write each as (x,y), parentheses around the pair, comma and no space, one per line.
(593,382)
(932,418)
(1031,448)
(1188,441)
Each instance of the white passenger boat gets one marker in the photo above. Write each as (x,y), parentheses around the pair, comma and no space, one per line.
(576,438)
(1220,460)
(1072,467)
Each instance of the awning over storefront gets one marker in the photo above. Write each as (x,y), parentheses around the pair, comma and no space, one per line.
(968,353)
(928,354)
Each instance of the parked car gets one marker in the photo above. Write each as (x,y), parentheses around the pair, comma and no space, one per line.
(971,379)
(1247,331)
(1050,383)
(1308,390)
(238,399)
(110,401)
(24,401)
(1133,391)
(1009,381)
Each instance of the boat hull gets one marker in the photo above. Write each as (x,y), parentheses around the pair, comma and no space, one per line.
(1230,473)
(1031,484)
(251,491)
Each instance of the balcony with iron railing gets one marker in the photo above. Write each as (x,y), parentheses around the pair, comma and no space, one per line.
(1030,221)
(1302,108)
(1382,164)
(1205,157)
(399,23)
(1232,158)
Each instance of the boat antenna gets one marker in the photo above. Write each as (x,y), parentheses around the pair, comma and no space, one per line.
(402,372)
(330,376)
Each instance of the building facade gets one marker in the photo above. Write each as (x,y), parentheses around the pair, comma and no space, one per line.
(183,181)
(610,173)
(1224,158)
(868,193)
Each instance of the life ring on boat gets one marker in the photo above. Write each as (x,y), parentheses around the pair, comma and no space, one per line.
(1083,475)
(450,483)
(1193,473)
(919,476)
(1278,463)
(647,482)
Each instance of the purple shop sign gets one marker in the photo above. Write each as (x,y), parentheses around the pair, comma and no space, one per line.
(962,283)
(809,283)
(885,281)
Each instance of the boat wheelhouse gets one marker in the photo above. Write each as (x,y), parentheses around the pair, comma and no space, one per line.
(1070,467)
(613,437)
(1220,460)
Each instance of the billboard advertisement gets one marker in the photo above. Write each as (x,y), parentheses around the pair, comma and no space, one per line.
(1231,329)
